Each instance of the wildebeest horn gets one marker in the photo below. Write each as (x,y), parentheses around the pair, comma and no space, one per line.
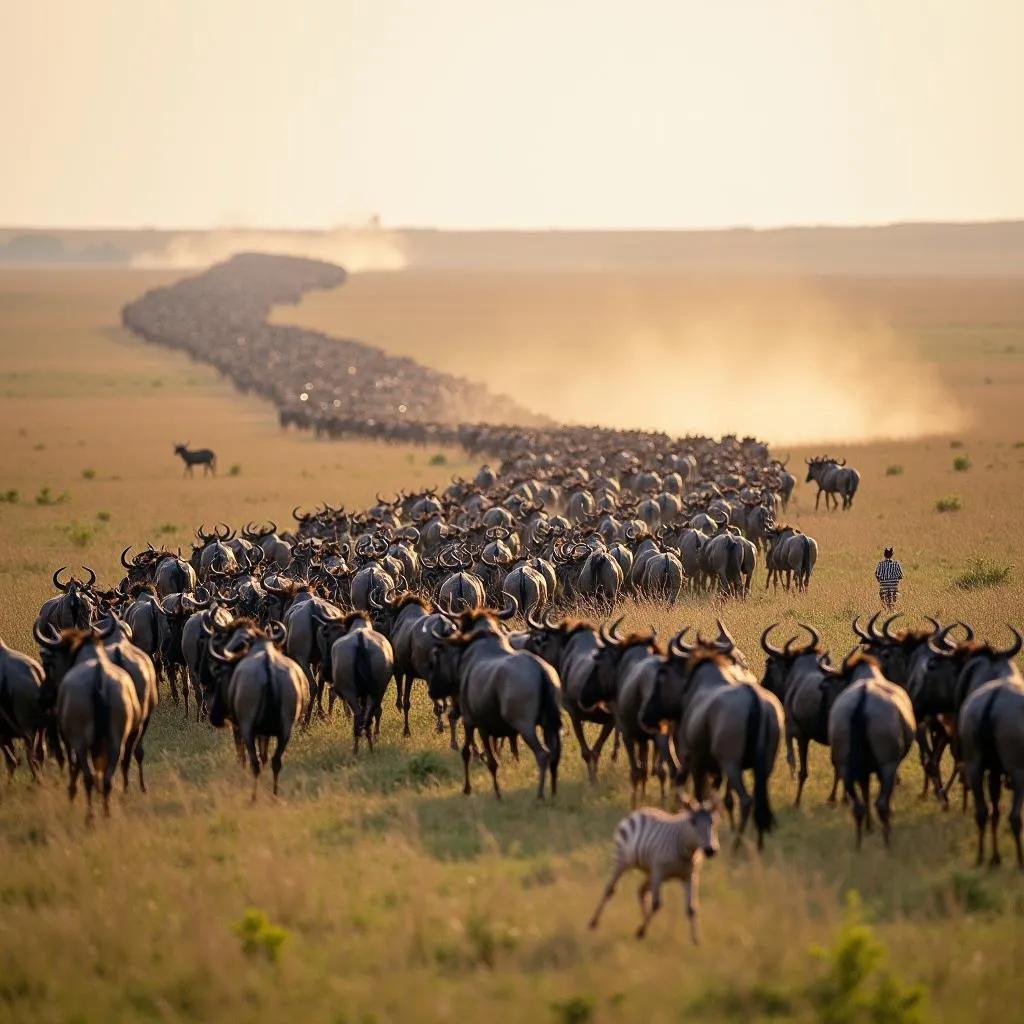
(297,516)
(843,463)
(277,632)
(614,629)
(434,630)
(532,622)
(875,635)
(765,646)
(549,619)
(938,644)
(126,564)
(859,631)
(724,640)
(56,581)
(1013,650)
(815,636)
(936,625)
(967,630)
(888,622)
(272,528)
(676,645)
(51,642)
(510,610)
(107,631)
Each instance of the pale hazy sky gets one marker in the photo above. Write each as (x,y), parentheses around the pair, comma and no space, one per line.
(660,113)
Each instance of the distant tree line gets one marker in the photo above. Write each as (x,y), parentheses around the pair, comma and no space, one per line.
(36,248)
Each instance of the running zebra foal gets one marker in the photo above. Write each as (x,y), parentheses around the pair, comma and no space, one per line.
(663,846)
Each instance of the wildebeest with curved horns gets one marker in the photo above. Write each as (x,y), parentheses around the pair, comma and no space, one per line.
(789,552)
(73,608)
(499,692)
(95,706)
(871,728)
(727,724)
(199,457)
(261,692)
(361,666)
(832,478)
(21,713)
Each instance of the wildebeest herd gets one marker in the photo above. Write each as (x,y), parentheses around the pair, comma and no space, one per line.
(255,627)
(499,597)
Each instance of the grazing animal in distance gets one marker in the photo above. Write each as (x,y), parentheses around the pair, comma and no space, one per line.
(200,457)
(663,846)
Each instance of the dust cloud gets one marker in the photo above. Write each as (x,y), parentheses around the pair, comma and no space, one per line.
(370,250)
(785,365)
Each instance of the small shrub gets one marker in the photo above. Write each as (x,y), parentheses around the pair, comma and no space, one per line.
(235,470)
(156,383)
(258,936)
(9,497)
(894,471)
(165,528)
(88,474)
(79,534)
(440,459)
(47,497)
(950,503)
(486,937)
(843,995)
(961,464)
(103,516)
(423,768)
(39,447)
(1018,444)
(574,1010)
(956,444)
(981,574)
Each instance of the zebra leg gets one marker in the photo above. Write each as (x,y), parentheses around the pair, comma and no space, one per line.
(655,887)
(609,890)
(690,886)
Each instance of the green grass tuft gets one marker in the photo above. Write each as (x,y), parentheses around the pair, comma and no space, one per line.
(235,470)
(440,459)
(88,474)
(46,497)
(981,574)
(961,464)
(258,936)
(80,534)
(10,497)
(894,470)
(951,503)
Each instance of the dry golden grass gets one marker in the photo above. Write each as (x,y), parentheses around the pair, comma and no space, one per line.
(402,899)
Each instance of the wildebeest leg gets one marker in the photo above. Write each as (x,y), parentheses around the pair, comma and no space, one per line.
(453,717)
(172,678)
(609,890)
(107,779)
(887,782)
(802,745)
(858,807)
(635,771)
(10,757)
(357,728)
(835,786)
(734,775)
(616,743)
(817,498)
(976,778)
(439,715)
(585,752)
(924,751)
(1015,814)
(542,756)
(140,754)
(487,743)
(467,753)
(254,762)
(865,786)
(790,754)
(239,745)
(659,771)
(595,753)
(263,746)
(279,748)
(126,760)
(995,786)
(654,883)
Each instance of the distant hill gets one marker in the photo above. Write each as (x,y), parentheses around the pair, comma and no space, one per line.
(901,249)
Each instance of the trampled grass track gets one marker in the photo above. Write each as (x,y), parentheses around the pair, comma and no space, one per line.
(402,898)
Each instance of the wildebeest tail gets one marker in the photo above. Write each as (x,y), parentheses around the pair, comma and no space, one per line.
(985,742)
(805,560)
(755,755)
(362,669)
(858,761)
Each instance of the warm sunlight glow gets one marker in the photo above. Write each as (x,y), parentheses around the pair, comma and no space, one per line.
(467,113)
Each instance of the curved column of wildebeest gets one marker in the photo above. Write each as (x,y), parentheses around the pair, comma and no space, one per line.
(338,387)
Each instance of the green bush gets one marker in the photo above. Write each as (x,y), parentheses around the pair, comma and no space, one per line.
(88,474)
(844,994)
(950,503)
(440,459)
(956,444)
(258,936)
(79,534)
(894,471)
(981,574)
(47,497)
(961,464)
(103,516)
(575,1010)
(235,470)
(10,497)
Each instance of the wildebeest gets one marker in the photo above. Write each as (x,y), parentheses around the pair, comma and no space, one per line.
(74,608)
(871,728)
(499,693)
(21,713)
(261,692)
(200,457)
(790,552)
(361,666)
(832,478)
(95,707)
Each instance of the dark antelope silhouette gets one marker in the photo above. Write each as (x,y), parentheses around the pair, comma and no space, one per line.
(200,457)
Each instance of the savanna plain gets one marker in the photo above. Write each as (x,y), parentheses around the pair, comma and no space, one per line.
(372,889)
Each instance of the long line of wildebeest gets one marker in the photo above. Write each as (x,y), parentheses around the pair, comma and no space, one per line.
(473,591)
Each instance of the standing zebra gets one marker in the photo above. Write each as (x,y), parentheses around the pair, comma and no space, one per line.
(200,457)
(663,846)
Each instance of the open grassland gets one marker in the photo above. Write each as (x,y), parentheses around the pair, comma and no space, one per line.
(399,898)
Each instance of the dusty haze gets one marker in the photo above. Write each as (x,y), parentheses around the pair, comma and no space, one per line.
(782,360)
